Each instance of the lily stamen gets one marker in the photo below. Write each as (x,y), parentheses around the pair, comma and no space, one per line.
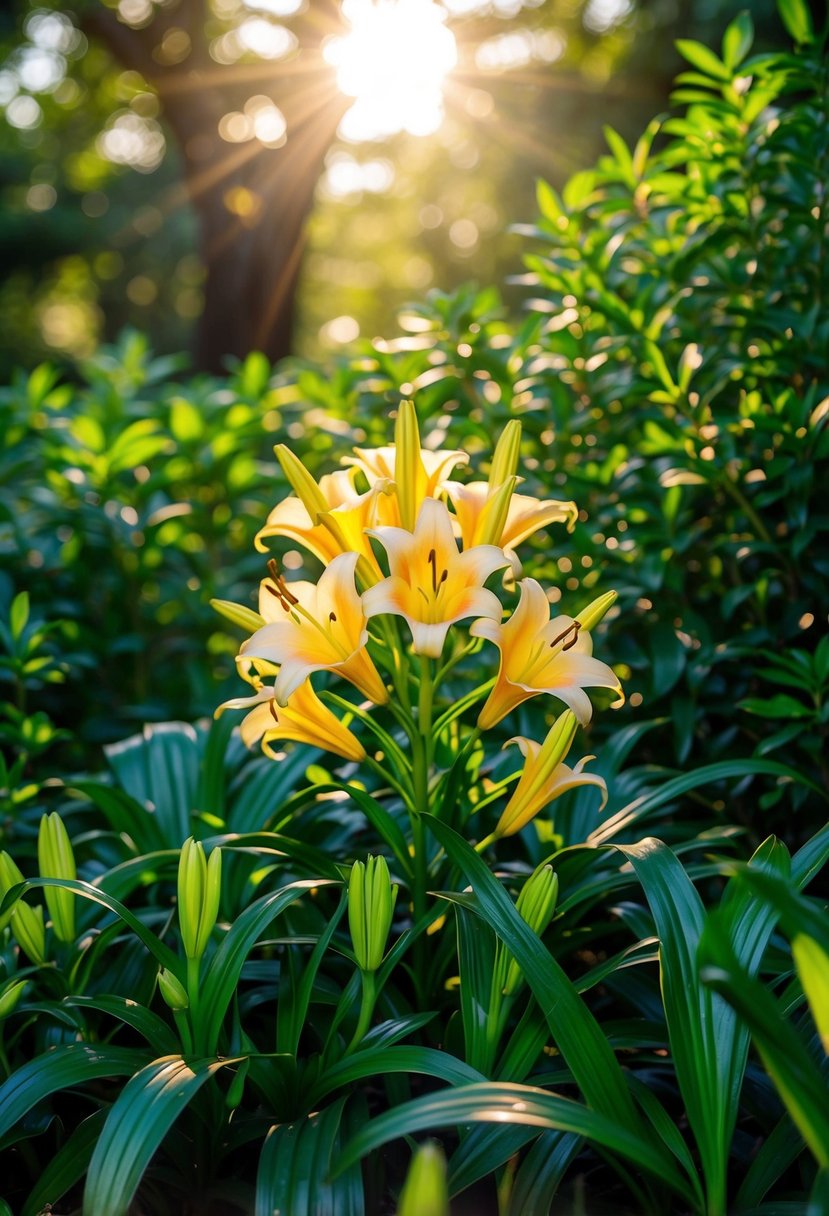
(574,629)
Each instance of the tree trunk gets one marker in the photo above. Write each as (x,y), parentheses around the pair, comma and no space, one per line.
(252,202)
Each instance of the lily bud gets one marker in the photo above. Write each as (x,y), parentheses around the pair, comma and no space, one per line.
(371,900)
(199,888)
(542,779)
(236,1089)
(172,991)
(238,614)
(535,905)
(590,616)
(26,922)
(407,462)
(494,514)
(301,482)
(56,860)
(425,1192)
(506,455)
(10,997)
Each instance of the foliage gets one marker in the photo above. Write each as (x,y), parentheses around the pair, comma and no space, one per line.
(234,983)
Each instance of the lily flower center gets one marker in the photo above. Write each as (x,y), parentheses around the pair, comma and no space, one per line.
(291,605)
(438,581)
(544,653)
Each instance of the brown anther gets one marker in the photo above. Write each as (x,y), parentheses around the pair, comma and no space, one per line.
(432,558)
(574,629)
(272,708)
(282,592)
(332,616)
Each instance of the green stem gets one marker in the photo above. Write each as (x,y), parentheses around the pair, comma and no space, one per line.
(193,997)
(422,749)
(367,1002)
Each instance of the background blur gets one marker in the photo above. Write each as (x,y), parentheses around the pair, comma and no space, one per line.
(164,165)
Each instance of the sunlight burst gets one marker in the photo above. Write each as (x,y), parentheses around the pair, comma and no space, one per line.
(393,61)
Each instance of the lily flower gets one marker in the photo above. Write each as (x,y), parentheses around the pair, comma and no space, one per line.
(338,529)
(543,655)
(303,719)
(484,518)
(417,473)
(317,627)
(545,777)
(430,583)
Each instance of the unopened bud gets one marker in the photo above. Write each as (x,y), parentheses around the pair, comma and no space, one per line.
(425,1191)
(407,462)
(371,900)
(506,455)
(199,889)
(301,482)
(590,616)
(494,514)
(10,997)
(172,991)
(56,860)
(236,1089)
(26,922)
(535,905)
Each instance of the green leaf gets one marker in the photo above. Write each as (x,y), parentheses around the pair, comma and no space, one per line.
(497,1102)
(578,1035)
(225,967)
(703,58)
(136,1125)
(66,1168)
(737,40)
(782,1051)
(797,19)
(645,804)
(19,615)
(59,1068)
(426,1061)
(294,1169)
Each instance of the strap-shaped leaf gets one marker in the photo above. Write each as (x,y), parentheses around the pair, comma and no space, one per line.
(496,1102)
(577,1033)
(60,1068)
(139,1120)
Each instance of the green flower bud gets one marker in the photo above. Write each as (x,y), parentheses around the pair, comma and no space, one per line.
(26,922)
(10,996)
(425,1192)
(371,899)
(494,514)
(506,455)
(172,990)
(590,616)
(535,905)
(56,860)
(407,462)
(301,482)
(199,888)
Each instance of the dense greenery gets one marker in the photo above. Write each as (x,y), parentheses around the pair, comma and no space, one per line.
(667,1050)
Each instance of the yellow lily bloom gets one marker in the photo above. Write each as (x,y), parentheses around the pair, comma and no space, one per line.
(341,528)
(543,655)
(317,627)
(545,777)
(476,505)
(430,583)
(303,719)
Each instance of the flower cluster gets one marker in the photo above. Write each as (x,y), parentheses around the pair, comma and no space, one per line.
(400,538)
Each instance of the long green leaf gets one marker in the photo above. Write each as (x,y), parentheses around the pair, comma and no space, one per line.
(707,1043)
(427,1061)
(496,1102)
(66,1168)
(60,1068)
(575,1030)
(782,1051)
(140,1118)
(162,954)
(642,806)
(225,967)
